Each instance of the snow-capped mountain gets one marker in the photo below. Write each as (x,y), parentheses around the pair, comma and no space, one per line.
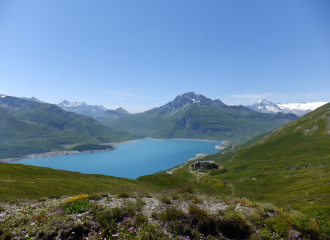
(265,106)
(299,109)
(83,108)
(188,99)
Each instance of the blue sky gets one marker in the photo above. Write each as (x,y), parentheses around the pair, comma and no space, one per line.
(141,54)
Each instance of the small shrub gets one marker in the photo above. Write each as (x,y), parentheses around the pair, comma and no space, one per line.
(171,213)
(155,216)
(123,195)
(7,236)
(95,208)
(78,204)
(304,224)
(139,204)
(255,219)
(140,219)
(279,225)
(234,225)
(230,200)
(197,200)
(197,211)
(287,208)
(165,199)
(39,218)
(268,207)
(95,196)
(115,214)
(175,196)
(187,196)
(243,202)
(186,189)
(148,195)
(151,232)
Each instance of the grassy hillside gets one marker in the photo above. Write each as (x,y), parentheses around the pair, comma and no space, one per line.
(204,118)
(19,181)
(290,165)
(31,127)
(39,203)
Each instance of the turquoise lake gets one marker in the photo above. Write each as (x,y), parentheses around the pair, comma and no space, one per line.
(130,160)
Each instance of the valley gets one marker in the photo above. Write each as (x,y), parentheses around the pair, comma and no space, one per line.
(272,170)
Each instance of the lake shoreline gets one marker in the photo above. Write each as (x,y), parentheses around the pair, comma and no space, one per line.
(52,154)
(66,152)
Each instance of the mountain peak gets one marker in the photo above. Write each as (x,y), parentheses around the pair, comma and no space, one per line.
(122,111)
(189,99)
(264,101)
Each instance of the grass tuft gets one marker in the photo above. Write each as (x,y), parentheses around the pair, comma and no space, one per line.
(95,196)
(123,195)
(197,211)
(165,199)
(139,204)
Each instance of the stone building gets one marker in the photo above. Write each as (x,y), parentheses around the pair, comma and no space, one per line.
(205,164)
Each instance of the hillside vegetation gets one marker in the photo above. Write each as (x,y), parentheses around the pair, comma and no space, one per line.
(288,166)
(28,127)
(158,206)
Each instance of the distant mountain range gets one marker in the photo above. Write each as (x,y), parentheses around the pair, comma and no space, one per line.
(82,108)
(194,116)
(94,111)
(28,127)
(299,109)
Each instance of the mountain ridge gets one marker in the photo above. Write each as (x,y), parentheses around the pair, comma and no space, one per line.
(28,127)
(82,108)
(301,108)
(114,114)
(194,116)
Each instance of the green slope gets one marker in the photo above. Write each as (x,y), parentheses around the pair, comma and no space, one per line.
(186,117)
(290,165)
(19,181)
(30,127)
